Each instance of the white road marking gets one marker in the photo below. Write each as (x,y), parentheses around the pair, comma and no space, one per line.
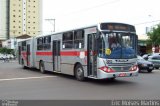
(26,78)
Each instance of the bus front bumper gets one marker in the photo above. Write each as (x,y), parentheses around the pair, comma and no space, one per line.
(103,75)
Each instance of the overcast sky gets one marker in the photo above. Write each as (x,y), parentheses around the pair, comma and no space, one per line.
(70,14)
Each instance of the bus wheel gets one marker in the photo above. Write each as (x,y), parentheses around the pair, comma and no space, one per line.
(156,67)
(41,67)
(149,71)
(79,73)
(113,79)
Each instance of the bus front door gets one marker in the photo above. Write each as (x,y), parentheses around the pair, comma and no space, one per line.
(19,54)
(56,55)
(28,55)
(91,54)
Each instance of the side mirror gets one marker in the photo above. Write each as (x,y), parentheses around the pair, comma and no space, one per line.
(108,51)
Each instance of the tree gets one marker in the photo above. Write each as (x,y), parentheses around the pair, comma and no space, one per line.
(154,35)
(6,51)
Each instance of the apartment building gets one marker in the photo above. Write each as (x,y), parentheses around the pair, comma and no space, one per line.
(25,17)
(20,17)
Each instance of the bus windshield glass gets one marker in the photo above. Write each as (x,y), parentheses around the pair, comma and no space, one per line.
(121,45)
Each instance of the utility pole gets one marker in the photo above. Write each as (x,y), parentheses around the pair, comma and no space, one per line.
(52,21)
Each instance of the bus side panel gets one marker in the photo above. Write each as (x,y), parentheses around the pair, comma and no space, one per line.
(46,57)
(25,48)
(48,62)
(42,55)
(67,65)
(72,56)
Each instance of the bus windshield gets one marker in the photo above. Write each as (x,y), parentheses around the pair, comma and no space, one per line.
(121,45)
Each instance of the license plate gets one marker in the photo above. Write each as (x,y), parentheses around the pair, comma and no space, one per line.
(122,75)
(150,67)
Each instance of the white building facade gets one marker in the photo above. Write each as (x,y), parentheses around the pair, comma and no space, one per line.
(3,20)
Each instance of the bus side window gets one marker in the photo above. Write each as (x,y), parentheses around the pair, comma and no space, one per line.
(47,43)
(24,44)
(79,39)
(40,43)
(68,40)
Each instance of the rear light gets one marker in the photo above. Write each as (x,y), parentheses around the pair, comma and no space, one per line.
(106,69)
(133,68)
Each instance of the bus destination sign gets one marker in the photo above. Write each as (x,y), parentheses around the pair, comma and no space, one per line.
(117,27)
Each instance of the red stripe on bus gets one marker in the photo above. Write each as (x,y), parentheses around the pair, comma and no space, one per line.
(44,53)
(70,53)
(25,53)
(62,53)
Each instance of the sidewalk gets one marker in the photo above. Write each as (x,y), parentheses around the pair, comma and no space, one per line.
(8,61)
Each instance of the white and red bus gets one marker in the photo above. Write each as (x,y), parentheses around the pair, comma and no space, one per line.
(106,50)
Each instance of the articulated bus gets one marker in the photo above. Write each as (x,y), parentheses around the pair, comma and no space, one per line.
(103,51)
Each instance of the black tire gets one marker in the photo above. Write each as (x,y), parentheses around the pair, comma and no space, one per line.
(149,71)
(156,67)
(79,73)
(41,67)
(113,79)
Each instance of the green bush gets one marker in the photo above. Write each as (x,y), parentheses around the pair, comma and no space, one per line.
(6,51)
(154,35)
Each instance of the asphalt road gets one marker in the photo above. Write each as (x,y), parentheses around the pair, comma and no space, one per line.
(17,83)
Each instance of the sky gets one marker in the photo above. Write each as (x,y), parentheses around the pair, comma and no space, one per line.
(71,14)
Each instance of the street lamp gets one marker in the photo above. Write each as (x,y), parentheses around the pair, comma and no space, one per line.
(52,21)
(151,21)
(148,26)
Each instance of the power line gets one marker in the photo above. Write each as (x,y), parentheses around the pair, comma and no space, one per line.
(89,8)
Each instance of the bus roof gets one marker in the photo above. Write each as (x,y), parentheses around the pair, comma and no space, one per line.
(66,31)
(96,25)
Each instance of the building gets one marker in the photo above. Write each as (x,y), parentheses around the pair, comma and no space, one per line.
(4,17)
(143,47)
(10,43)
(20,17)
(25,17)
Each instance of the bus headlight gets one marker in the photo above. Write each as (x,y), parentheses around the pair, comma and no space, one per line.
(107,69)
(133,68)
